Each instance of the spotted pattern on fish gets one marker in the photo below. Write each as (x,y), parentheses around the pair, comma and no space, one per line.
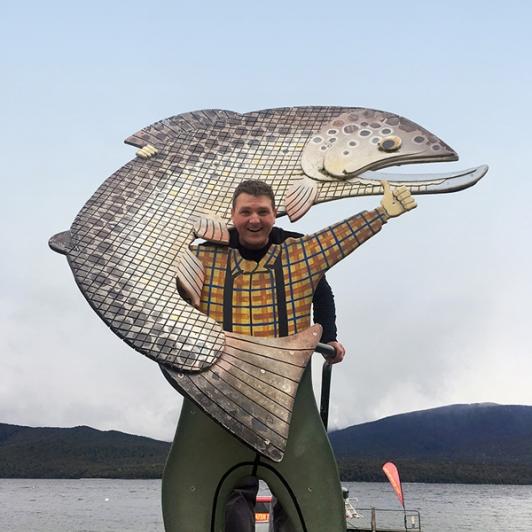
(350,143)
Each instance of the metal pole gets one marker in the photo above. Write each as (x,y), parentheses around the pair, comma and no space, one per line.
(404,509)
(373,520)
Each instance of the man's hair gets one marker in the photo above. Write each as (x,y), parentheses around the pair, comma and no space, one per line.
(254,187)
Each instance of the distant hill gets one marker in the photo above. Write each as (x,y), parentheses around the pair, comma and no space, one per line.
(78,452)
(480,443)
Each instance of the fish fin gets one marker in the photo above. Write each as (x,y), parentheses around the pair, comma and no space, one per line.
(147,152)
(61,243)
(165,132)
(300,197)
(189,277)
(251,388)
(212,228)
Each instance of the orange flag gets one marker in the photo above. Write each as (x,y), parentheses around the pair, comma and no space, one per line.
(390,470)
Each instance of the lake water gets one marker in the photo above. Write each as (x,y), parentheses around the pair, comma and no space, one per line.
(134,505)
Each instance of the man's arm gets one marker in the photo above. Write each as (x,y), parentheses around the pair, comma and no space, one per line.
(324,249)
(324,313)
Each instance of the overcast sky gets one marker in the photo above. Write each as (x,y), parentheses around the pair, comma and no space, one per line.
(435,310)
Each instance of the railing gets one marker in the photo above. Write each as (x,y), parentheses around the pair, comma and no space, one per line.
(385,520)
(327,351)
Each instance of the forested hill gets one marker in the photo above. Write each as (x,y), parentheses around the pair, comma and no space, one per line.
(78,452)
(482,442)
(461,443)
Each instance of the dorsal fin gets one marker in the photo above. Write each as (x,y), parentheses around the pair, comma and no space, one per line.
(159,133)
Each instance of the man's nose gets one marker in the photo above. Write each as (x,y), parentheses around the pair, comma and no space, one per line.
(254,218)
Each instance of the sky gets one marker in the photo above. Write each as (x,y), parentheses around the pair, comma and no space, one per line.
(434,310)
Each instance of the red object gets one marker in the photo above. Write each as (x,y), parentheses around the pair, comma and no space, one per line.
(390,470)
(262,509)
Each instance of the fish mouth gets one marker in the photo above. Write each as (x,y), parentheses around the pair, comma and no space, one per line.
(399,160)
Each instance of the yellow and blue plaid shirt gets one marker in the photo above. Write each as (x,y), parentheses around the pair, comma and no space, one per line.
(273,297)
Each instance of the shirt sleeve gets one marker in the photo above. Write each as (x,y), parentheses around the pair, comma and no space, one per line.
(324,310)
(322,250)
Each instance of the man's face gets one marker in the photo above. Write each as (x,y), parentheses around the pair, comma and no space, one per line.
(253,217)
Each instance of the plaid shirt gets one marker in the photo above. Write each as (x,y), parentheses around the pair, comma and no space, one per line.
(273,297)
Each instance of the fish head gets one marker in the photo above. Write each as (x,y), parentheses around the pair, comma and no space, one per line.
(367,140)
(344,157)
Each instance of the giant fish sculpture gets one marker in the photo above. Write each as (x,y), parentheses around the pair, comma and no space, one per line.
(130,241)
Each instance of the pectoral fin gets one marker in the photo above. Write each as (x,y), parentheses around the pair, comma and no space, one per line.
(300,197)
(251,388)
(211,228)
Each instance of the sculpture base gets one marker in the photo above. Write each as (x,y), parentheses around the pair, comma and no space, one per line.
(206,462)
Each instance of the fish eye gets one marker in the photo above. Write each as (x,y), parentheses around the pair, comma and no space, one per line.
(390,143)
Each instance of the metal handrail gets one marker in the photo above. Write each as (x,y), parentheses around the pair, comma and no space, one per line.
(328,351)
(411,520)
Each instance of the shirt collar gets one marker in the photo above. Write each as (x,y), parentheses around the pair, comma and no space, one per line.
(240,265)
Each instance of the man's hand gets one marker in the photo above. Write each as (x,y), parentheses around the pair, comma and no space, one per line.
(396,201)
(340,353)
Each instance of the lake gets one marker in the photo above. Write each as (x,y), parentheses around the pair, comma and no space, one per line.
(95,505)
